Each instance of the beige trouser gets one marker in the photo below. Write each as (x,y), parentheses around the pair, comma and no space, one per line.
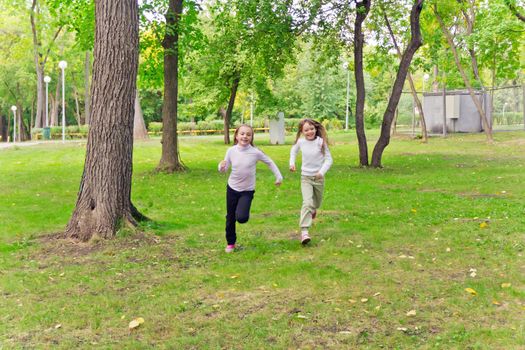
(312,191)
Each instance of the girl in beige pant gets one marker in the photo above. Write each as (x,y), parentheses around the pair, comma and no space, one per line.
(316,160)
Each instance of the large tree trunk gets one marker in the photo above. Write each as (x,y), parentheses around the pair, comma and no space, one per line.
(229,109)
(104,199)
(362,11)
(170,159)
(140,132)
(397,89)
(87,67)
(486,126)
(411,83)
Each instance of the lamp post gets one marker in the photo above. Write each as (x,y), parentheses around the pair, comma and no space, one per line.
(47,80)
(13,108)
(345,66)
(503,118)
(63,65)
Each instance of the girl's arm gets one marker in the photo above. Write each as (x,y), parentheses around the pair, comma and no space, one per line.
(267,160)
(293,155)
(225,164)
(327,163)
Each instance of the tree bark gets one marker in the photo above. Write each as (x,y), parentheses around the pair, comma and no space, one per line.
(411,83)
(87,68)
(22,129)
(170,159)
(362,9)
(397,89)
(486,126)
(77,107)
(3,128)
(140,132)
(104,199)
(229,109)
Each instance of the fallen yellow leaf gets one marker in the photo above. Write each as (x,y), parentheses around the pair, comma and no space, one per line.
(411,313)
(413,210)
(364,300)
(352,301)
(495,302)
(506,285)
(483,225)
(136,322)
(471,291)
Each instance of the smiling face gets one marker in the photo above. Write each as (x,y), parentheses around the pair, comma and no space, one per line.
(244,136)
(309,131)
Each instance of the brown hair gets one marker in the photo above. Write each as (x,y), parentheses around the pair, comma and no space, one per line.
(319,131)
(237,131)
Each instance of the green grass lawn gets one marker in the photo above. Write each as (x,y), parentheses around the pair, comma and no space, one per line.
(392,253)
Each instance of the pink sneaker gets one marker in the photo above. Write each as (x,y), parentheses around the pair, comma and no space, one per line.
(305,238)
(230,248)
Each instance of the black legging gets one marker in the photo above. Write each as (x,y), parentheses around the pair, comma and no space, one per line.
(238,209)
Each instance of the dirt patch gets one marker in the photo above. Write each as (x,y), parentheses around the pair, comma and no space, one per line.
(57,246)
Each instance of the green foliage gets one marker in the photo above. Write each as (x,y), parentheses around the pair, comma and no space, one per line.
(155,127)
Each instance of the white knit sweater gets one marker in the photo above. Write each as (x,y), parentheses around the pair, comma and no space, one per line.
(313,159)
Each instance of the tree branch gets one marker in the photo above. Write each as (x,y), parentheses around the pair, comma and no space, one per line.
(514,10)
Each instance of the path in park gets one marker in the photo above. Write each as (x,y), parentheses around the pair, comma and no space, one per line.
(5,145)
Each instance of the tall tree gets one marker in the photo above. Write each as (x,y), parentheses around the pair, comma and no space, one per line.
(362,9)
(410,80)
(397,89)
(486,126)
(248,44)
(170,159)
(104,198)
(40,58)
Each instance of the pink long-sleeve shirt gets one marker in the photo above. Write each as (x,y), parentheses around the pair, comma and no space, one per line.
(243,161)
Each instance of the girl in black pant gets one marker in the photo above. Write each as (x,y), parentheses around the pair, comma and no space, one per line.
(242,158)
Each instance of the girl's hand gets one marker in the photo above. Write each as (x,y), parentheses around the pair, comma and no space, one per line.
(319,176)
(292,168)
(222,166)
(278,183)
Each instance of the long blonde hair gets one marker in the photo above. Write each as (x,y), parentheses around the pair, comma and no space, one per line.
(319,131)
(237,131)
